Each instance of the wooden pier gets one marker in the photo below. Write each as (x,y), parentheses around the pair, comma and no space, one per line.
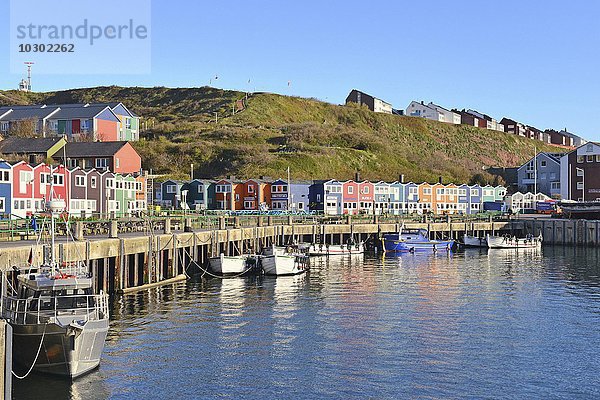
(122,261)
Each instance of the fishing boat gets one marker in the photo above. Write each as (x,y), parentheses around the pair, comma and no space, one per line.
(228,265)
(284,264)
(335,250)
(59,325)
(512,242)
(474,241)
(414,240)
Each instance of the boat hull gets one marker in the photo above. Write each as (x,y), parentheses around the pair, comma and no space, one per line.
(400,246)
(66,351)
(497,242)
(336,250)
(283,265)
(227,265)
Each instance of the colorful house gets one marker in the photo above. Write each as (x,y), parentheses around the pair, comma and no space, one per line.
(225,194)
(333,197)
(350,196)
(129,123)
(50,182)
(95,191)
(5,188)
(366,197)
(22,190)
(200,194)
(411,194)
(96,122)
(171,193)
(256,195)
(396,198)
(299,196)
(279,195)
(78,199)
(117,157)
(427,200)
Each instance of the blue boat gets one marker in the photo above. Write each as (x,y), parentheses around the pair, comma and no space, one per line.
(415,240)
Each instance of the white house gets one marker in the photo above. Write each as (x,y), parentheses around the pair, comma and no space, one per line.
(447,115)
(420,109)
(518,202)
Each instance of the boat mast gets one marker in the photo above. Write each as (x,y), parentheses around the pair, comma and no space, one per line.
(49,206)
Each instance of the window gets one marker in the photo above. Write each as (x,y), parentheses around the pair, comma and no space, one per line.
(250,188)
(555,186)
(4,126)
(93,182)
(543,163)
(80,181)
(102,163)
(589,158)
(4,176)
(127,123)
(350,190)
(426,190)
(59,180)
(53,125)
(248,205)
(543,176)
(366,190)
(462,192)
(474,192)
(237,197)
(85,125)
(117,163)
(579,172)
(579,185)
(597,157)
(580,159)
(171,189)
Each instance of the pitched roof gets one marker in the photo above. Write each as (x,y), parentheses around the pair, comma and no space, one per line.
(16,145)
(68,112)
(26,112)
(92,149)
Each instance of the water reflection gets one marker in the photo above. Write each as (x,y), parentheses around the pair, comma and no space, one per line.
(471,324)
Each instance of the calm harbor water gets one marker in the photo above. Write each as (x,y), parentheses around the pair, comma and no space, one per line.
(469,325)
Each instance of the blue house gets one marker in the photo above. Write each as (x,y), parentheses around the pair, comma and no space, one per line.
(475,199)
(333,197)
(171,193)
(5,188)
(397,198)
(316,196)
(279,195)
(411,197)
(299,196)
(199,194)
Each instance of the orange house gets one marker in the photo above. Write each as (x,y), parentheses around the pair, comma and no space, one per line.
(426,198)
(226,192)
(255,193)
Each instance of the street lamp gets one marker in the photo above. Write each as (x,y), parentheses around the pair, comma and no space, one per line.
(582,182)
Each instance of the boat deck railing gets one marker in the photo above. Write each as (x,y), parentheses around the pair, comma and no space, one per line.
(53,309)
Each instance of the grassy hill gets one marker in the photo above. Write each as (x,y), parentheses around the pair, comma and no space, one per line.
(316,139)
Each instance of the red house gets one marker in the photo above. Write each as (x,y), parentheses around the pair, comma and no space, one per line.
(22,190)
(366,196)
(350,197)
(117,157)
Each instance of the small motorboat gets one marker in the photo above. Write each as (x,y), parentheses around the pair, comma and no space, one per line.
(512,242)
(474,241)
(284,264)
(229,265)
(417,240)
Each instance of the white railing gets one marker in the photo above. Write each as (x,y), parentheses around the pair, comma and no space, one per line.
(44,310)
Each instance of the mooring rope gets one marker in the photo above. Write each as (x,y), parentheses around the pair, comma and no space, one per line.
(36,357)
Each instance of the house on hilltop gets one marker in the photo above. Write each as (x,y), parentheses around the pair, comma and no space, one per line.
(374,104)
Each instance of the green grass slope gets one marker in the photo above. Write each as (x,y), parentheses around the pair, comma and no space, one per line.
(316,140)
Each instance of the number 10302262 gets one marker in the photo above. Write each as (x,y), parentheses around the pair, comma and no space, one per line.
(46,48)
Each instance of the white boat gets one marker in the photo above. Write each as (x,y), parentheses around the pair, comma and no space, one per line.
(284,264)
(227,265)
(337,249)
(474,241)
(59,325)
(511,242)
(276,250)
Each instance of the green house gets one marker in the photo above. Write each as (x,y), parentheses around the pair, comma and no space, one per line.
(129,127)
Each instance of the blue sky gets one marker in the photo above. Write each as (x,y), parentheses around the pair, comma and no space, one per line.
(537,64)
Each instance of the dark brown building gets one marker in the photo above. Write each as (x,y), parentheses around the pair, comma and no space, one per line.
(582,171)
